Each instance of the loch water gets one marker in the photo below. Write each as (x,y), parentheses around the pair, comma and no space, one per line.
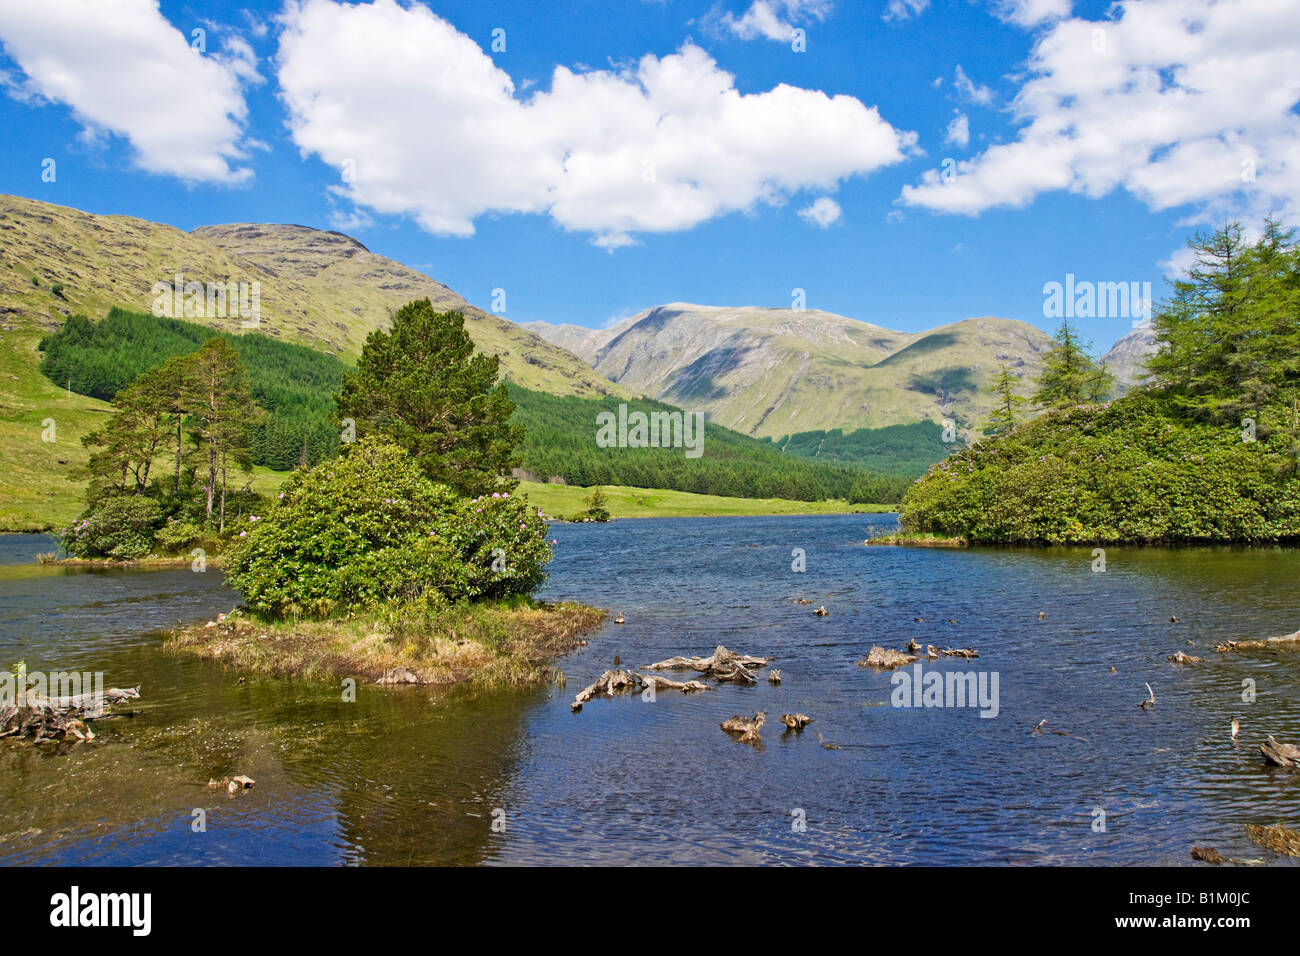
(450,776)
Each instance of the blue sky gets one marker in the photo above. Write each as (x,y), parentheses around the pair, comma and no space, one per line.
(690,175)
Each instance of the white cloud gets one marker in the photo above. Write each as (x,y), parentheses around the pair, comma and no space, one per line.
(1176,101)
(122,68)
(967,89)
(822,212)
(424,123)
(1030,13)
(775,19)
(902,9)
(958,130)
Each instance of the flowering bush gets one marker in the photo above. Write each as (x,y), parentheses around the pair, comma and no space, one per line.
(368,529)
(120,526)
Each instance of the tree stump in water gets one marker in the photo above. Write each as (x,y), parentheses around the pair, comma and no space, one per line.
(796,721)
(722,665)
(1279,754)
(886,659)
(747,728)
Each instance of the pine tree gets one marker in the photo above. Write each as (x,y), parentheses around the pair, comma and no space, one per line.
(422,385)
(1003,418)
(1069,375)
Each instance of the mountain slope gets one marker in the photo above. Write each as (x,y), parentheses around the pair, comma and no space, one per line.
(776,372)
(321,289)
(1126,359)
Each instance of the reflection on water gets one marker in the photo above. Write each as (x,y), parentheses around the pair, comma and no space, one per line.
(411,775)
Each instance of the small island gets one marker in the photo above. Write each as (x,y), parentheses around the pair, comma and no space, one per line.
(1207,450)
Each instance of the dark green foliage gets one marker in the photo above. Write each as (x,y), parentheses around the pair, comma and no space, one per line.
(560,439)
(120,527)
(1127,471)
(368,530)
(423,386)
(893,449)
(293,383)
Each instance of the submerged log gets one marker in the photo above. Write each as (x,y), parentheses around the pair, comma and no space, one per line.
(610,682)
(796,721)
(1277,838)
(747,728)
(1279,754)
(1283,643)
(667,683)
(1178,657)
(54,718)
(400,675)
(885,659)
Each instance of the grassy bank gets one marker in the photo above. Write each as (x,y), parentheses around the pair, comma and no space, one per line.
(623,502)
(492,645)
(919,540)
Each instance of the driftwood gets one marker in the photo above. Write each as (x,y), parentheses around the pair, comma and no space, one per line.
(1279,754)
(746,727)
(885,659)
(610,682)
(1277,838)
(667,683)
(821,611)
(722,665)
(619,680)
(774,676)
(53,718)
(796,721)
(1178,657)
(1283,643)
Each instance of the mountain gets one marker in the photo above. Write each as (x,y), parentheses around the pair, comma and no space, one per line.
(777,372)
(1126,359)
(317,288)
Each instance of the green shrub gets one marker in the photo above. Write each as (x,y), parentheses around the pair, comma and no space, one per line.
(1127,471)
(368,529)
(121,527)
(177,537)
